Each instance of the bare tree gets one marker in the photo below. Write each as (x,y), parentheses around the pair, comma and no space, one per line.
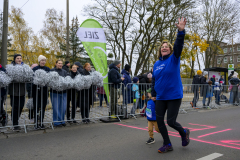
(134,27)
(220,21)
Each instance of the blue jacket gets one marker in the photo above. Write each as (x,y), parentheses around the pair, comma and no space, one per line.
(3,90)
(166,79)
(150,111)
(135,89)
(114,76)
(127,79)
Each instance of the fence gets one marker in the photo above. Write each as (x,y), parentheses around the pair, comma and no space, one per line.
(72,106)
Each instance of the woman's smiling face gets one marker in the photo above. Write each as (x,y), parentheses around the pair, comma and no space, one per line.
(165,50)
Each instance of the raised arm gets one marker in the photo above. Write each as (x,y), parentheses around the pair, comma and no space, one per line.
(178,45)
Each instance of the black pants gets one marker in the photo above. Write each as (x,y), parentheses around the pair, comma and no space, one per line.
(195,98)
(1,105)
(235,96)
(40,96)
(71,97)
(17,103)
(172,108)
(101,96)
(84,100)
(113,100)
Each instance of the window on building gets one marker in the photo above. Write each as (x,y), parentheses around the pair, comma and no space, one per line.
(225,50)
(225,59)
(231,49)
(218,60)
(230,59)
(238,59)
(238,48)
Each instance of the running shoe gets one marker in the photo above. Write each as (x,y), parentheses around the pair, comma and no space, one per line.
(165,148)
(186,140)
(150,141)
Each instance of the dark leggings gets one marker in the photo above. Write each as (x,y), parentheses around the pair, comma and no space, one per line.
(173,107)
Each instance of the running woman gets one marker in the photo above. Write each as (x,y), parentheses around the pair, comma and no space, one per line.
(167,88)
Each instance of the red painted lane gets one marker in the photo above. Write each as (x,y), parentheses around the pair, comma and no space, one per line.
(175,134)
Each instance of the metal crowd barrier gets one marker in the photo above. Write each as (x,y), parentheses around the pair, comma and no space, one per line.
(53,109)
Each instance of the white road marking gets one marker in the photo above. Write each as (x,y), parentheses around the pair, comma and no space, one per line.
(211,156)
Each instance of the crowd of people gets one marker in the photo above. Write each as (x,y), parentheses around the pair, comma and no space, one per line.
(206,87)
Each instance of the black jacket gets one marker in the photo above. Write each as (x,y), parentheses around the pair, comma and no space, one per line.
(16,88)
(86,95)
(114,76)
(66,68)
(36,88)
(3,90)
(80,67)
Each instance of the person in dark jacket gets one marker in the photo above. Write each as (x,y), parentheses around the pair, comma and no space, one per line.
(114,78)
(196,84)
(204,87)
(80,67)
(213,78)
(72,95)
(2,98)
(40,95)
(17,95)
(86,96)
(59,99)
(66,66)
(126,88)
(167,88)
(29,91)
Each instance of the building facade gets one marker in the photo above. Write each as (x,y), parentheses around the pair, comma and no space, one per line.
(231,55)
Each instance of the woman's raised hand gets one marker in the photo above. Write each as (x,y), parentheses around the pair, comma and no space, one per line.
(181,23)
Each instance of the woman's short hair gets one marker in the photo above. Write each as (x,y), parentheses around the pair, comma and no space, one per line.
(86,64)
(170,46)
(58,61)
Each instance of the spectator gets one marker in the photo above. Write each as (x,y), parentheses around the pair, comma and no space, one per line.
(144,84)
(136,95)
(209,94)
(126,88)
(195,87)
(40,95)
(222,79)
(213,79)
(17,95)
(66,66)
(217,92)
(114,78)
(80,67)
(86,96)
(204,87)
(59,99)
(72,96)
(2,98)
(234,88)
(102,95)
(29,90)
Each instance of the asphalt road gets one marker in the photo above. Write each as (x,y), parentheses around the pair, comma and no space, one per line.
(214,135)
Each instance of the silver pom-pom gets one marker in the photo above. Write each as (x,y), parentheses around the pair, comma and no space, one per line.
(29,103)
(97,79)
(78,82)
(41,77)
(53,80)
(5,80)
(19,73)
(87,81)
(69,82)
